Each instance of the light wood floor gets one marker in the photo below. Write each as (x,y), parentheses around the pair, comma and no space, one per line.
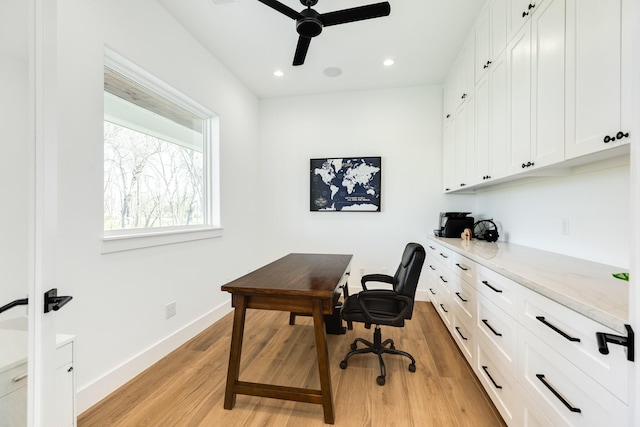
(186,388)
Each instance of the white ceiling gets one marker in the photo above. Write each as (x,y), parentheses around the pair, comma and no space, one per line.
(253,40)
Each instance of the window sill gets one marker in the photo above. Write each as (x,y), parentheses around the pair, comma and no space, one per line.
(126,240)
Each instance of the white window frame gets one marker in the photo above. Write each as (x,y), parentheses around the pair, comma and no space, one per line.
(123,240)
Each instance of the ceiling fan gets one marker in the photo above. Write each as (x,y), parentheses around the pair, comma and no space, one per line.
(309,23)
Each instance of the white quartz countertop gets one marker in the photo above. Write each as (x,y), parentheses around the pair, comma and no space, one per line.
(583,286)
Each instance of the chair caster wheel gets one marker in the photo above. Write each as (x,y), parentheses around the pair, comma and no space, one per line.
(412,367)
(380,380)
(353,346)
(343,364)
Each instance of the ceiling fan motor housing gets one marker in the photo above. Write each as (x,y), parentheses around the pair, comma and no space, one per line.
(309,25)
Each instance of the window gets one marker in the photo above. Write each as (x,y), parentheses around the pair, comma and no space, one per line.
(160,158)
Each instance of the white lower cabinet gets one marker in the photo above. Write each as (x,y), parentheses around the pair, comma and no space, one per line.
(537,359)
(567,395)
(65,382)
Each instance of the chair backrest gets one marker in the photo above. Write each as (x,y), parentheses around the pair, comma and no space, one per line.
(408,273)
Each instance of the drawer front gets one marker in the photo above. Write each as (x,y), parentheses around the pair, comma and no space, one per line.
(13,379)
(464,268)
(464,298)
(443,307)
(500,290)
(499,332)
(574,336)
(563,392)
(463,336)
(500,386)
(440,252)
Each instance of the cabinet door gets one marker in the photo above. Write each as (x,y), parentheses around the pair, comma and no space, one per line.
(593,75)
(498,117)
(483,145)
(464,72)
(498,19)
(460,159)
(519,101)
(483,44)
(547,83)
(448,157)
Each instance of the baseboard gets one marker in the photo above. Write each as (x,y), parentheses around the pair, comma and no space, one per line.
(92,393)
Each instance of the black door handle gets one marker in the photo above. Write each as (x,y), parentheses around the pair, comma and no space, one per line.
(54,302)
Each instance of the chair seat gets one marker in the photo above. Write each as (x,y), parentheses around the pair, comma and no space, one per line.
(383,309)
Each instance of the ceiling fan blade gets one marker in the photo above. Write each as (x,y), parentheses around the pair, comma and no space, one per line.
(282,8)
(301,50)
(356,14)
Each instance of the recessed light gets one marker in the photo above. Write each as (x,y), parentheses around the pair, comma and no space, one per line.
(388,62)
(278,73)
(332,72)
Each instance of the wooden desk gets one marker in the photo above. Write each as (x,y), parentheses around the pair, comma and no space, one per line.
(295,283)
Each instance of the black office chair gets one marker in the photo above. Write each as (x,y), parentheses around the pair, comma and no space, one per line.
(385,307)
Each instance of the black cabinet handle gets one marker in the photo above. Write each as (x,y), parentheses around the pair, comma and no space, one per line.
(524,14)
(443,279)
(460,333)
(484,282)
(23,301)
(486,322)
(531,6)
(433,248)
(557,330)
(621,135)
(461,267)
(460,296)
(608,139)
(558,395)
(447,189)
(524,166)
(486,371)
(443,255)
(448,115)
(462,184)
(464,96)
(431,267)
(431,290)
(443,309)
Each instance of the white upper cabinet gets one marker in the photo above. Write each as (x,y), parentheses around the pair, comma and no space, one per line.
(490,35)
(594,77)
(536,69)
(448,157)
(464,74)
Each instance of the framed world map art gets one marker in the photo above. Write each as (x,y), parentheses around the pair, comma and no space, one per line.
(345,184)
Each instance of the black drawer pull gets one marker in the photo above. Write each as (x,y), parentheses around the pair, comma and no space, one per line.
(558,330)
(461,267)
(486,371)
(431,267)
(461,299)
(486,322)
(431,290)
(443,255)
(444,309)
(432,247)
(558,395)
(443,279)
(484,282)
(460,333)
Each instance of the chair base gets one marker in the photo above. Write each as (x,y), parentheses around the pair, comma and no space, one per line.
(378,347)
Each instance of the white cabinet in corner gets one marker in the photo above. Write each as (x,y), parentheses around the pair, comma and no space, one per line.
(65,382)
(595,81)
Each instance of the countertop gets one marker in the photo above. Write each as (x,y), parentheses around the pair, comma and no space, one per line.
(584,286)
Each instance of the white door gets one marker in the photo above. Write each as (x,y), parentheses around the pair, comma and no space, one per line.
(27,217)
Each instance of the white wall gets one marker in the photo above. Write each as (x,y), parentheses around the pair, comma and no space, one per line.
(403,126)
(118,310)
(593,200)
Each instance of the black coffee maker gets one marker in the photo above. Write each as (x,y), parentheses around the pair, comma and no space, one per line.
(452,224)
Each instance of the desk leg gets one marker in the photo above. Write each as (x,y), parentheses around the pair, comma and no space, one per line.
(323,362)
(236,349)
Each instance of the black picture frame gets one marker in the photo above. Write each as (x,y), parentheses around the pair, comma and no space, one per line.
(345,184)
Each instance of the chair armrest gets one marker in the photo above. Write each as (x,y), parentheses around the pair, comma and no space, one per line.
(382,278)
(386,295)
